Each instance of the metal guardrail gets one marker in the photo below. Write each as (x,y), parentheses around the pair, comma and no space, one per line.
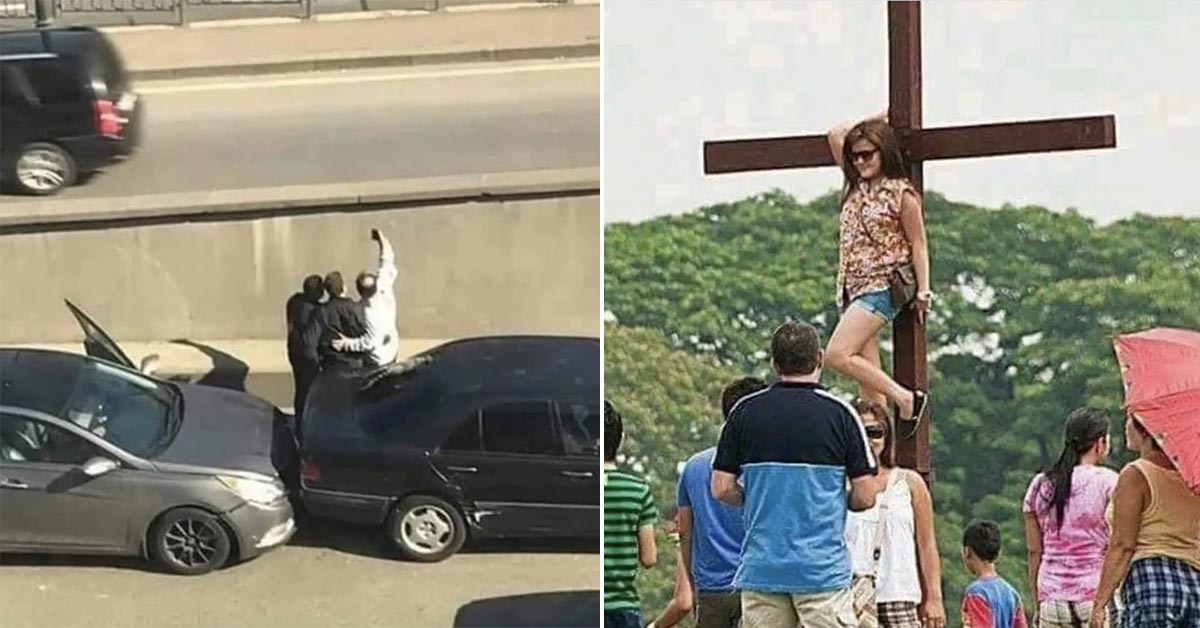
(65,11)
(180,11)
(16,9)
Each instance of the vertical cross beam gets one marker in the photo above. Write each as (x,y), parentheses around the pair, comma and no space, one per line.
(904,114)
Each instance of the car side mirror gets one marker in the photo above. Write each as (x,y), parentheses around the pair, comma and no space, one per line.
(149,364)
(98,466)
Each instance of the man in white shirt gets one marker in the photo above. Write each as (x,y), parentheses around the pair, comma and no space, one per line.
(379,306)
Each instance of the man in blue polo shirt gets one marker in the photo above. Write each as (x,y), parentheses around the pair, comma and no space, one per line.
(794,446)
(710,533)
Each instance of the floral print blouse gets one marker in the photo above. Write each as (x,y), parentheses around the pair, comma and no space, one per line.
(872,241)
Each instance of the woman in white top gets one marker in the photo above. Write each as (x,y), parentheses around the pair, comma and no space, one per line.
(906,596)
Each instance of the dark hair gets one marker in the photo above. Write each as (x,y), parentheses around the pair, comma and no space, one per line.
(614,430)
(1146,435)
(795,348)
(873,408)
(737,389)
(334,284)
(1084,427)
(983,538)
(313,287)
(366,284)
(883,137)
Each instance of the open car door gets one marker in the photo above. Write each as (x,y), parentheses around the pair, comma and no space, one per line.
(96,342)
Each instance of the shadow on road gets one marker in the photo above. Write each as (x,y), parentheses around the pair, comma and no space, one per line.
(61,560)
(359,540)
(534,546)
(565,609)
(228,371)
(348,538)
(369,541)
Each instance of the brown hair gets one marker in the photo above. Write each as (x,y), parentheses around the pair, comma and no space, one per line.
(737,389)
(796,348)
(883,137)
(867,406)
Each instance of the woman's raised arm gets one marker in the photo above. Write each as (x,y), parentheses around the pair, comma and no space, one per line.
(837,135)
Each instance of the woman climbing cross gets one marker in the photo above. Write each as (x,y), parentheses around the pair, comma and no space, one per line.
(883,261)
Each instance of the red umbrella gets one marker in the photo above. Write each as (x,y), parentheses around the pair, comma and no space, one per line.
(1161,369)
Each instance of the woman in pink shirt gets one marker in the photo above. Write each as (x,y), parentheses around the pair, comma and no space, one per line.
(1065,525)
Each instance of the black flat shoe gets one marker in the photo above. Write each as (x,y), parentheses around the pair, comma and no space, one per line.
(905,428)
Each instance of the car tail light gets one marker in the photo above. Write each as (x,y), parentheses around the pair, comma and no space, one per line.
(108,122)
(309,471)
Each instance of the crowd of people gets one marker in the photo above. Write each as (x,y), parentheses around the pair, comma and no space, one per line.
(327,330)
(796,517)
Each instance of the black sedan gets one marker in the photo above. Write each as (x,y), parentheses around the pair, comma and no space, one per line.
(483,437)
(99,458)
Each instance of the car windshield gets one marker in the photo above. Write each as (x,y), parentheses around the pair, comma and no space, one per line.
(127,409)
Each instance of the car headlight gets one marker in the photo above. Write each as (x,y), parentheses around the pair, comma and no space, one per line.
(259,492)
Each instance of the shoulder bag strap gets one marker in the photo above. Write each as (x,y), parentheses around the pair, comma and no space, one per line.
(863,225)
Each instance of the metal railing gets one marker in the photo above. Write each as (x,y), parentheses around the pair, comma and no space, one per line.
(45,12)
(16,9)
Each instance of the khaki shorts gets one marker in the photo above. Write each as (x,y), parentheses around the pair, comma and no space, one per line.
(796,610)
(1060,614)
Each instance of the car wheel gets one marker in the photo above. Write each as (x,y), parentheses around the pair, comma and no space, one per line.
(426,529)
(42,169)
(189,541)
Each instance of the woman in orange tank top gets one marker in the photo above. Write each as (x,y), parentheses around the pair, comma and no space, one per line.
(1154,551)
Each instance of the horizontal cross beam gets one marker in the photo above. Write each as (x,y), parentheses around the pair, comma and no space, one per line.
(979,140)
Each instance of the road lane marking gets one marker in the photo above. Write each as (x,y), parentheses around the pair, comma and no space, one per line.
(249,83)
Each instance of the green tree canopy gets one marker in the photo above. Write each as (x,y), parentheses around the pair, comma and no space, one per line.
(1028,303)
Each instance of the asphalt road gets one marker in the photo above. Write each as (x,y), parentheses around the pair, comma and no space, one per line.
(330,575)
(361,125)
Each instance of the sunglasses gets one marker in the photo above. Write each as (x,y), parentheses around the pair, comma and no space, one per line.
(875,431)
(863,155)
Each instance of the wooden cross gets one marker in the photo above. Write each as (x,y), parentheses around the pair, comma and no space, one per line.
(919,145)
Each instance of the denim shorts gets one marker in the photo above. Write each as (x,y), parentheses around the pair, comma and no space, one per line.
(878,303)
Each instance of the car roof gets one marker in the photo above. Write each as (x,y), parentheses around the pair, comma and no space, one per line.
(514,339)
(470,371)
(508,346)
(39,379)
(64,41)
(495,357)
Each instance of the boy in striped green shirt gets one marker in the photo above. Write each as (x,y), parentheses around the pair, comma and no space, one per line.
(629,517)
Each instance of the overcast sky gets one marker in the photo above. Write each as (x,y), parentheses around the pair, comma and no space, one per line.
(679,72)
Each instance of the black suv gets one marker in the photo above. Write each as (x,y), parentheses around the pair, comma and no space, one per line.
(487,437)
(67,107)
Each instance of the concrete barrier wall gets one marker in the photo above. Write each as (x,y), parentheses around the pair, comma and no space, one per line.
(21,13)
(521,266)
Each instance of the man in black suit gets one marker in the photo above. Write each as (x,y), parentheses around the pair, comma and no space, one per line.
(299,311)
(339,316)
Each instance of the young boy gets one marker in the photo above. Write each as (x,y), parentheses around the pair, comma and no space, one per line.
(989,601)
(629,517)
